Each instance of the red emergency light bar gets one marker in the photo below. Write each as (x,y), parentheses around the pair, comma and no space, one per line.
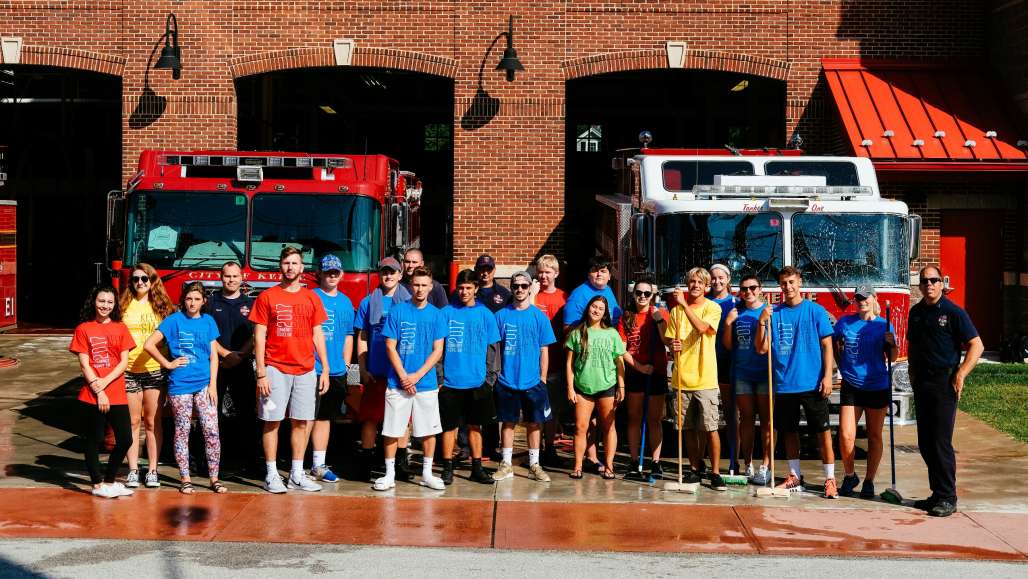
(766,152)
(298,161)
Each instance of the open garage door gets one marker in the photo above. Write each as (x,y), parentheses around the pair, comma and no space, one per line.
(406,115)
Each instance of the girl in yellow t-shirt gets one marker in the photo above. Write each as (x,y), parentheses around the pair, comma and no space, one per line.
(144,303)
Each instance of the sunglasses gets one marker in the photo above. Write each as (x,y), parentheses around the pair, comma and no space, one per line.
(748,288)
(140,279)
(930,280)
(642,294)
(520,286)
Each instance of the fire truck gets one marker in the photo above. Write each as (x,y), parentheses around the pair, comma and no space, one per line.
(188,212)
(757,211)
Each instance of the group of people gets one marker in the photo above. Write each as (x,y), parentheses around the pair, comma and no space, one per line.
(473,365)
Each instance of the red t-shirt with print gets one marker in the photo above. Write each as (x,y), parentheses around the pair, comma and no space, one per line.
(644,344)
(552,304)
(290,318)
(104,343)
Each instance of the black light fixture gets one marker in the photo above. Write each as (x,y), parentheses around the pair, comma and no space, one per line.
(171,54)
(510,62)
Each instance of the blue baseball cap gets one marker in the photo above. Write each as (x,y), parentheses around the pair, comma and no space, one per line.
(331,262)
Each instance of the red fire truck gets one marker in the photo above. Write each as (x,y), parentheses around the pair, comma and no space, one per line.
(757,211)
(188,212)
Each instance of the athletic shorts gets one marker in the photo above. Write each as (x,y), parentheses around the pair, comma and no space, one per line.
(298,392)
(532,405)
(654,384)
(850,395)
(750,387)
(702,409)
(420,408)
(373,402)
(329,405)
(138,381)
(608,393)
(474,405)
(724,369)
(815,408)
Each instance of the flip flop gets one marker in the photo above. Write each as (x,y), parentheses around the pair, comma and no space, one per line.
(575,474)
(607,474)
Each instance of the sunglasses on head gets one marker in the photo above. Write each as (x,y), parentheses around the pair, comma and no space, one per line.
(748,288)
(642,294)
(520,285)
(931,280)
(140,278)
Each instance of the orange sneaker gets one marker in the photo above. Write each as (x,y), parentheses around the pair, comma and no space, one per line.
(792,483)
(831,489)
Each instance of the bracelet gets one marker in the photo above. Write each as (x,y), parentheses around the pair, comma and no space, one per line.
(94,381)
(262,377)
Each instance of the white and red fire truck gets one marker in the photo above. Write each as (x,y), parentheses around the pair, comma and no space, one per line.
(188,212)
(758,211)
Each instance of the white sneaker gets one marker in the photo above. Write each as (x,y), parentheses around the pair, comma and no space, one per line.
(504,472)
(304,484)
(122,490)
(748,471)
(762,477)
(106,491)
(538,473)
(152,480)
(274,484)
(433,482)
(385,483)
(132,480)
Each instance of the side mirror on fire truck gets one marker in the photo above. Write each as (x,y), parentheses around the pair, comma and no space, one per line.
(641,239)
(915,236)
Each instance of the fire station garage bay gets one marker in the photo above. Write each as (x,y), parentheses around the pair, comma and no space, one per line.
(510,114)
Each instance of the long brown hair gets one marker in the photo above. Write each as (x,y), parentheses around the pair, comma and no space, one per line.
(631,308)
(160,303)
(582,327)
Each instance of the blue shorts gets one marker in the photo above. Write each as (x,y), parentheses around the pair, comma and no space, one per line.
(750,387)
(532,405)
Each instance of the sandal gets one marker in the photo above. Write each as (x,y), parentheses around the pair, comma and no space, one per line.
(218,488)
(607,474)
(186,488)
(575,474)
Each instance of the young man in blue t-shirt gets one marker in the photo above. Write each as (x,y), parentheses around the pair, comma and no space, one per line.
(521,392)
(338,331)
(595,285)
(414,335)
(467,392)
(749,372)
(801,344)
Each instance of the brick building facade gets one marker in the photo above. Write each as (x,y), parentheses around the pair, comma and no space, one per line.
(509,138)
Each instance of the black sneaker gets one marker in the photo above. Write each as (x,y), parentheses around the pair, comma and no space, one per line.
(447,474)
(403,470)
(943,508)
(926,504)
(849,483)
(656,472)
(633,473)
(868,490)
(479,475)
(691,477)
(717,483)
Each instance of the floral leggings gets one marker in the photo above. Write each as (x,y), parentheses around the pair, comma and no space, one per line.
(182,406)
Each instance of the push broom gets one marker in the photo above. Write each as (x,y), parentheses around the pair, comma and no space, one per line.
(891,494)
(770,491)
(679,487)
(732,426)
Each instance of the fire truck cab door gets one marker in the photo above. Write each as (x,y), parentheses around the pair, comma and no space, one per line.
(398,233)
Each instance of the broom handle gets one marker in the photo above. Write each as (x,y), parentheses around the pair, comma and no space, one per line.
(892,405)
(674,332)
(771,397)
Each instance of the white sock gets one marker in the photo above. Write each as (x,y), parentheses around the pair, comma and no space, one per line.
(508,455)
(829,470)
(533,456)
(296,472)
(272,468)
(794,466)
(390,468)
(319,457)
(426,468)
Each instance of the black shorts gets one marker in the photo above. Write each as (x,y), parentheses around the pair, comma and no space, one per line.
(724,369)
(654,384)
(608,393)
(474,405)
(815,408)
(328,406)
(853,396)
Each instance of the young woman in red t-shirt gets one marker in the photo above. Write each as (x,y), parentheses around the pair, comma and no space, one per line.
(641,327)
(102,344)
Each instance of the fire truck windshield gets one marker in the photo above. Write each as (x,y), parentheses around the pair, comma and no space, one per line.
(749,243)
(850,249)
(185,229)
(344,225)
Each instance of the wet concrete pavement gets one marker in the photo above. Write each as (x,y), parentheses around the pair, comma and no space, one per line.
(43,469)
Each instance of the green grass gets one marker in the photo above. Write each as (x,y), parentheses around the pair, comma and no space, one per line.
(998,394)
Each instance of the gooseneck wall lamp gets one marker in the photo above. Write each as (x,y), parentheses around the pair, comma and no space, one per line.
(510,62)
(171,54)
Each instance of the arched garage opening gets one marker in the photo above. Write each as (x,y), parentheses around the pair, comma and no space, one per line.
(62,129)
(681,107)
(406,115)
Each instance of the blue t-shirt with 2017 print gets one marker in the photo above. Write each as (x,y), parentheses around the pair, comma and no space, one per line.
(191,338)
(415,330)
(377,360)
(749,365)
(522,334)
(336,328)
(796,333)
(862,359)
(470,331)
(574,309)
(726,303)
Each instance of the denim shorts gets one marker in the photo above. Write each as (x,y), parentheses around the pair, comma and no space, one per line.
(750,387)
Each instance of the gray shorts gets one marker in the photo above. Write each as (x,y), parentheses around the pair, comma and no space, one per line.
(299,392)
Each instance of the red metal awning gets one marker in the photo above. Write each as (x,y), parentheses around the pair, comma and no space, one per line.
(913,117)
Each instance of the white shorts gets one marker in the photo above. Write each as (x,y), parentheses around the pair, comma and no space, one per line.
(401,408)
(298,392)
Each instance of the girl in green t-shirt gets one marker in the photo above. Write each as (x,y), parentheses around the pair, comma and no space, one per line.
(596,380)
